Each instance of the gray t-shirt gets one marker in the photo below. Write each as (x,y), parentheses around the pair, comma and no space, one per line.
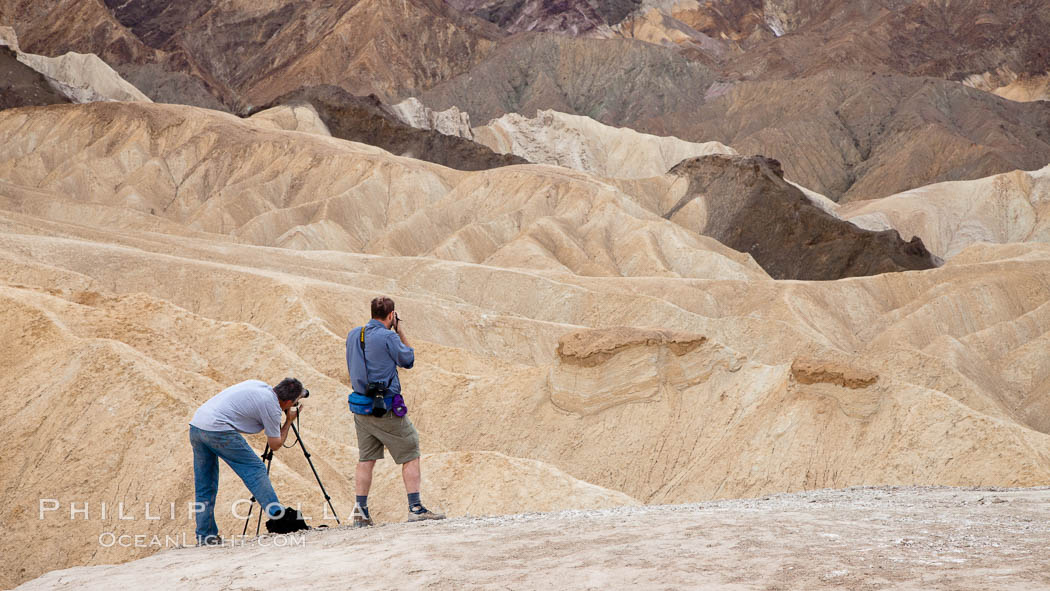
(248,407)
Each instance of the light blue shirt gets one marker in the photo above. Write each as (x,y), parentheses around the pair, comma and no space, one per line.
(385,353)
(248,407)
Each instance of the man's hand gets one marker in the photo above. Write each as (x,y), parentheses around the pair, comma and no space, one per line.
(401,332)
(293,411)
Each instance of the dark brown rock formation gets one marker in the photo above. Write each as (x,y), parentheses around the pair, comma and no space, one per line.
(750,207)
(22,86)
(365,119)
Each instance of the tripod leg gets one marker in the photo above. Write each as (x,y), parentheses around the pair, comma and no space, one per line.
(318,477)
(267,458)
(267,454)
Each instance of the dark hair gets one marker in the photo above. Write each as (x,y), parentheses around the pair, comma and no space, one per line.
(382,307)
(289,389)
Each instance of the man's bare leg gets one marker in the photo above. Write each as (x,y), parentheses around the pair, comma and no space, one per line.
(363,477)
(410,472)
(416,511)
(362,484)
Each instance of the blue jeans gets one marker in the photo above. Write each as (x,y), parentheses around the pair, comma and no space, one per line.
(208,447)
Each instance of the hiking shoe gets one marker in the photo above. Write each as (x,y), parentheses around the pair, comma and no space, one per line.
(210,541)
(361,520)
(421,513)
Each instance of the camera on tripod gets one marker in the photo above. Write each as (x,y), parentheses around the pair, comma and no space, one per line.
(290,520)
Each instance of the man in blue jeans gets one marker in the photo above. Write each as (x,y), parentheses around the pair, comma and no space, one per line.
(215,432)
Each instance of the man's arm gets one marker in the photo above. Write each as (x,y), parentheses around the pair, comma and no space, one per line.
(400,330)
(403,353)
(277,442)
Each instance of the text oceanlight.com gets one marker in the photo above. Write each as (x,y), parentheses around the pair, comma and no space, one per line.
(113,539)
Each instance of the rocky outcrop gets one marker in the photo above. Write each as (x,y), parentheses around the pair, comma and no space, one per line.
(744,203)
(816,371)
(583,144)
(80,78)
(602,369)
(369,121)
(451,121)
(837,97)
(857,136)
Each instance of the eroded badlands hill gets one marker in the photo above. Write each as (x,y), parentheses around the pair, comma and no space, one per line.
(567,337)
(1004,208)
(242,54)
(858,101)
(847,135)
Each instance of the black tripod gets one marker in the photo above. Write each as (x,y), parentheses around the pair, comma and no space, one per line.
(267,457)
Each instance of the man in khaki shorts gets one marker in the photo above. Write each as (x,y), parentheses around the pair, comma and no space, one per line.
(373,354)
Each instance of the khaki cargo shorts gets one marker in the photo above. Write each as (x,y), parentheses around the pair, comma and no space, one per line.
(397,434)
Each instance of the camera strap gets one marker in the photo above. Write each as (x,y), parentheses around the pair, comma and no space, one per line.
(364,358)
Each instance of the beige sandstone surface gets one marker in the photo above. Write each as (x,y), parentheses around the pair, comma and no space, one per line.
(1035,88)
(1005,208)
(292,117)
(575,349)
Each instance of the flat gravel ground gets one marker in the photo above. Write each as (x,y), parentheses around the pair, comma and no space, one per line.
(858,538)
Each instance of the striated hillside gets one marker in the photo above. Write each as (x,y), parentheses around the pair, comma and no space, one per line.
(242,54)
(949,40)
(570,341)
(616,81)
(846,135)
(857,100)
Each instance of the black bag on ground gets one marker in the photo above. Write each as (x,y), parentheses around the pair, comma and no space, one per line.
(291,521)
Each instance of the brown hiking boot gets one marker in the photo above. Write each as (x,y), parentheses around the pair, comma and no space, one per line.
(423,514)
